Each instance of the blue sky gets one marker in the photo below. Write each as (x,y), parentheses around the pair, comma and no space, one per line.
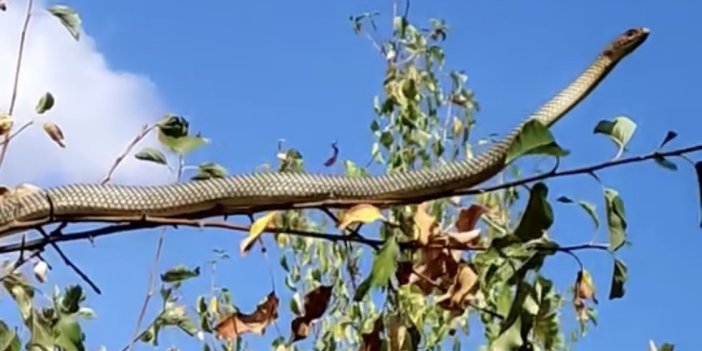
(249,73)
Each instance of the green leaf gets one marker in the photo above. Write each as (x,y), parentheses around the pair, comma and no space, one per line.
(210,170)
(69,18)
(565,199)
(665,163)
(619,278)
(46,102)
(9,341)
(73,296)
(184,145)
(384,267)
(591,210)
(152,155)
(69,335)
(668,137)
(534,138)
(386,139)
(538,215)
(667,347)
(353,170)
(616,219)
(173,126)
(620,130)
(179,273)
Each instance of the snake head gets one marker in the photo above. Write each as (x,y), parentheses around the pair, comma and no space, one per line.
(626,43)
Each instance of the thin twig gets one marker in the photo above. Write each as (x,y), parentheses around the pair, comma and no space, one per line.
(18,68)
(68,262)
(144,131)
(17,132)
(580,170)
(156,222)
(150,291)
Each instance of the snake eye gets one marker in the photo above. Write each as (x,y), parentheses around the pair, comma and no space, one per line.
(630,32)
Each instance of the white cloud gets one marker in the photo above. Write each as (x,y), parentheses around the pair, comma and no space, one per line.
(98,108)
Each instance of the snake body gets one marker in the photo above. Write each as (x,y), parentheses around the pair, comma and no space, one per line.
(246,193)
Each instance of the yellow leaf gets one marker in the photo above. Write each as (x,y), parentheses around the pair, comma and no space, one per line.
(360,213)
(457,126)
(256,230)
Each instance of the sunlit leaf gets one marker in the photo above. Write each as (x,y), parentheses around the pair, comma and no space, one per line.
(54,132)
(426,224)
(585,286)
(6,123)
(362,213)
(46,102)
(257,228)
(619,278)
(534,138)
(620,130)
(69,18)
(210,170)
(9,341)
(152,155)
(616,219)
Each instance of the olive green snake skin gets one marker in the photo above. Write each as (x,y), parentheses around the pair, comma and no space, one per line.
(247,193)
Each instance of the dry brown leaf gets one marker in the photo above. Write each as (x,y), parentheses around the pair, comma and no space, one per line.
(316,302)
(240,323)
(585,287)
(372,341)
(55,133)
(256,230)
(465,239)
(436,267)
(468,217)
(6,123)
(403,272)
(464,288)
(426,224)
(363,213)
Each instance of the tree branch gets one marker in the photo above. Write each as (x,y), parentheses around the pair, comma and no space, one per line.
(18,69)
(144,131)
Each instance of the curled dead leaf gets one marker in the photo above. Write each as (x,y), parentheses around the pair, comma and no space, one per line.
(6,123)
(257,228)
(426,224)
(55,133)
(362,213)
(468,217)
(316,301)
(464,288)
(239,323)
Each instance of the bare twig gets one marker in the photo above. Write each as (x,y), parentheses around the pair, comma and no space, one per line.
(18,69)
(17,132)
(69,263)
(144,131)
(150,291)
(151,222)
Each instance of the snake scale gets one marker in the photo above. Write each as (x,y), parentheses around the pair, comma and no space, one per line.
(247,193)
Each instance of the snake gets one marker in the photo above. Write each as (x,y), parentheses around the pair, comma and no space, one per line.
(247,193)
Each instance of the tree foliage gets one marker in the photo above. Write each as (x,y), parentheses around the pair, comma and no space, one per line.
(425,276)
